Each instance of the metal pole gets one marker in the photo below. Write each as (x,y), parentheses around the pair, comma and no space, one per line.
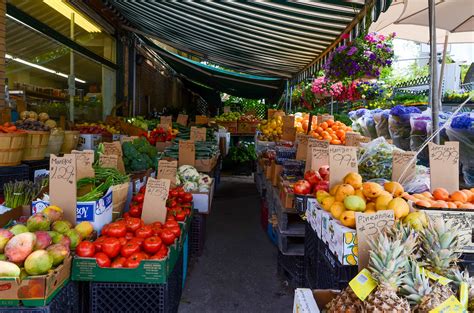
(134,78)
(71,80)
(290,98)
(434,70)
(443,64)
(287,94)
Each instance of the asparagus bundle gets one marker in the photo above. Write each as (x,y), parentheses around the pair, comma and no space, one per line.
(20,193)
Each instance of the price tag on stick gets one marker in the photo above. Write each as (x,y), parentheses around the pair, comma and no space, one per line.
(84,161)
(289,130)
(444,165)
(403,162)
(62,184)
(302,141)
(154,205)
(187,152)
(198,133)
(108,161)
(368,225)
(342,160)
(167,120)
(319,157)
(167,170)
(182,119)
(322,144)
(201,119)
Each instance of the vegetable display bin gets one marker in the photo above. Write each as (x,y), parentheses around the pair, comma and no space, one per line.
(36,145)
(71,139)
(12,146)
(56,140)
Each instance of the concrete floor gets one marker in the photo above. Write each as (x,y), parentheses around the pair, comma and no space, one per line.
(237,271)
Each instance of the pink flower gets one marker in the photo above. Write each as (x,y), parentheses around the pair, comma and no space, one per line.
(381,37)
(345,36)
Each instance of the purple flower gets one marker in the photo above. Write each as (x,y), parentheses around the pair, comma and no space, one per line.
(352,50)
(341,48)
(379,46)
(388,49)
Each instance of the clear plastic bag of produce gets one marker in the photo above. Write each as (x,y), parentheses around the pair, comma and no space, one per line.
(355,118)
(367,123)
(399,125)
(420,128)
(381,124)
(443,117)
(375,159)
(418,183)
(462,130)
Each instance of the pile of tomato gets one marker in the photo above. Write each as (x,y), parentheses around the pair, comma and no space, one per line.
(126,242)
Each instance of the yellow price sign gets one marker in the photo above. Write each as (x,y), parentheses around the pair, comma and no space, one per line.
(451,305)
(363,284)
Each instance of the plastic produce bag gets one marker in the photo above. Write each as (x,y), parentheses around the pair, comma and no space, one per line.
(420,182)
(399,125)
(355,118)
(368,124)
(462,130)
(420,127)
(375,159)
(381,124)
(443,117)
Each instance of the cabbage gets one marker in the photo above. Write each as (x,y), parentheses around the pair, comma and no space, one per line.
(205,180)
(190,186)
(204,188)
(178,180)
(188,173)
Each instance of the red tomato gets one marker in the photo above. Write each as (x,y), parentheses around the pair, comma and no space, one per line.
(187,197)
(135,211)
(172,203)
(126,215)
(156,230)
(137,240)
(157,256)
(133,223)
(104,230)
(134,260)
(85,249)
(118,262)
(312,177)
(171,224)
(102,259)
(180,216)
(129,235)
(156,224)
(122,240)
(98,243)
(129,248)
(144,232)
(302,187)
(181,193)
(152,245)
(117,229)
(111,247)
(164,249)
(138,198)
(167,236)
(173,193)
(121,221)
(170,218)
(176,230)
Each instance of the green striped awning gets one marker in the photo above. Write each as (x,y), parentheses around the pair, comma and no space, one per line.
(283,39)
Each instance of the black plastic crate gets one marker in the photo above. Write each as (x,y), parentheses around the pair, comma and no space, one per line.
(467,263)
(311,262)
(37,168)
(289,223)
(331,273)
(291,244)
(301,203)
(291,267)
(12,173)
(66,300)
(197,234)
(136,297)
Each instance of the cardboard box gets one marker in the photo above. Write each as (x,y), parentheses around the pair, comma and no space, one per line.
(276,171)
(203,200)
(313,215)
(161,146)
(88,141)
(342,241)
(230,126)
(99,212)
(287,197)
(323,297)
(149,271)
(120,195)
(34,290)
(206,165)
(325,221)
(268,170)
(247,127)
(304,301)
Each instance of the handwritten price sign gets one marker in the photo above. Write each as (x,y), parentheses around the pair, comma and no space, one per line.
(62,184)
(342,160)
(154,205)
(198,133)
(167,170)
(84,161)
(302,141)
(403,162)
(166,120)
(182,119)
(444,165)
(322,144)
(187,152)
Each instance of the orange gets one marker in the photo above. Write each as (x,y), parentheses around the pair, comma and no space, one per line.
(469,194)
(330,122)
(330,130)
(323,125)
(423,203)
(340,133)
(440,204)
(324,134)
(440,194)
(336,142)
(458,204)
(319,130)
(458,196)
(452,205)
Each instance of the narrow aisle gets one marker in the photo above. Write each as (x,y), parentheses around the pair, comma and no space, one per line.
(238,269)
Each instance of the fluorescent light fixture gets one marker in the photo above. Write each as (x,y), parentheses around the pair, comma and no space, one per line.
(66,10)
(45,69)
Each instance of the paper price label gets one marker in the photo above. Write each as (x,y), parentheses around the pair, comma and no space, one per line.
(403,162)
(354,139)
(182,119)
(108,161)
(84,161)
(464,294)
(167,170)
(302,141)
(342,160)
(198,133)
(368,225)
(187,152)
(451,305)
(201,119)
(444,165)
(226,109)
(114,148)
(322,144)
(433,276)
(127,139)
(154,205)
(363,284)
(289,130)
(319,157)
(62,184)
(166,120)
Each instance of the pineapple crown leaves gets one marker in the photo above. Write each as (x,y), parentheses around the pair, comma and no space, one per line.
(415,285)
(387,260)
(406,234)
(458,277)
(440,245)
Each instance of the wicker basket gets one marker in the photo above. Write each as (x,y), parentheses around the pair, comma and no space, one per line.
(36,145)
(12,146)
(71,139)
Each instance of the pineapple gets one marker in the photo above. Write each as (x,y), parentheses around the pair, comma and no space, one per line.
(345,302)
(407,234)
(388,259)
(458,277)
